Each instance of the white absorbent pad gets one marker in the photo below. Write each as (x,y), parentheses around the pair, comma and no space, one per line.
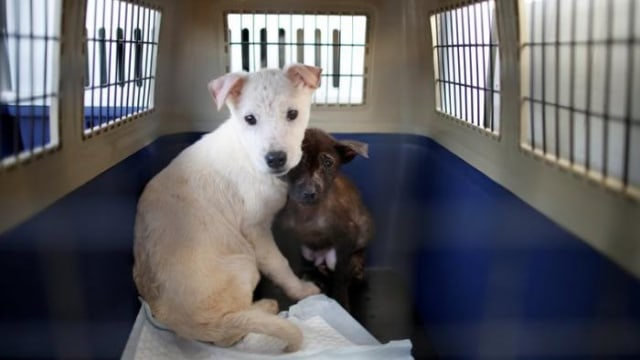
(329,333)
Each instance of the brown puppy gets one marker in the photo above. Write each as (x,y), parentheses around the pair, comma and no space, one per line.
(325,214)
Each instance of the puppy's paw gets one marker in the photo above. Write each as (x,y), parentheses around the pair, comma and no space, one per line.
(304,290)
(295,341)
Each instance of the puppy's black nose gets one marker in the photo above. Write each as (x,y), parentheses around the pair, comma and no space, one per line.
(276,159)
(309,195)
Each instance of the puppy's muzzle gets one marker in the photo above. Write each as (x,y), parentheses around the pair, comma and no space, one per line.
(276,160)
(309,195)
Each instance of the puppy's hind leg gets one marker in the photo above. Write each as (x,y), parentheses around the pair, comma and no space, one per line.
(268,305)
(342,275)
(257,320)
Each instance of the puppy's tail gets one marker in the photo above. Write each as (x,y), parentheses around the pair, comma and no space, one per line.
(258,321)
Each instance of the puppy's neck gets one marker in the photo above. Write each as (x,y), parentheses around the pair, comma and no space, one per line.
(304,211)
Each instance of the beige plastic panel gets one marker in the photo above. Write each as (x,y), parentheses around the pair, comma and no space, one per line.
(391,26)
(400,97)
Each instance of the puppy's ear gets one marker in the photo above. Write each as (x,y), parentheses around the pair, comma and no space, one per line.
(229,85)
(306,75)
(348,149)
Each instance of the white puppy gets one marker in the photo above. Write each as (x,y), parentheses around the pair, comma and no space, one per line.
(203,227)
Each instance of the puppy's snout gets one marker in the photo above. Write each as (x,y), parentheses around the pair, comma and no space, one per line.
(276,159)
(309,195)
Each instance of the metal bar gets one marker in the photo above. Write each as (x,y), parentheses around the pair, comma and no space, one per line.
(16,123)
(130,73)
(299,48)
(103,60)
(87,77)
(138,40)
(281,45)
(144,32)
(263,47)
(634,41)
(150,57)
(438,39)
(32,85)
(467,74)
(252,34)
(137,73)
(450,63)
(103,56)
(336,60)
(291,35)
(477,49)
(468,45)
(154,57)
(532,78)
(46,118)
(111,109)
(340,33)
(281,36)
(18,35)
(557,80)
(34,98)
(492,21)
(245,50)
(93,66)
(351,65)
(124,82)
(301,42)
(485,119)
(327,57)
(607,93)
(589,83)
(579,111)
(244,45)
(119,58)
(544,77)
(629,107)
(318,54)
(456,23)
(146,54)
(5,66)
(466,86)
(572,60)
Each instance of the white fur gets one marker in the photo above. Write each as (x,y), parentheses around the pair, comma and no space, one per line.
(202,231)
(326,257)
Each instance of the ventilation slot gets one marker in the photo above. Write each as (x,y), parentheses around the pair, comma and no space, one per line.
(122,42)
(581,85)
(337,43)
(465,46)
(29,61)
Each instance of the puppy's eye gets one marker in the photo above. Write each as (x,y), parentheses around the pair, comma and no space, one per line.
(292,114)
(250,119)
(327,161)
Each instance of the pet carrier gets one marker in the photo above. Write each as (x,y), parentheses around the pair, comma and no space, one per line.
(503,172)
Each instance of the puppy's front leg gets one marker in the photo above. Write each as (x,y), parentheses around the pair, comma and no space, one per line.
(275,266)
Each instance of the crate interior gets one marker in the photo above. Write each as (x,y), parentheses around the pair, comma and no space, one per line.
(503,168)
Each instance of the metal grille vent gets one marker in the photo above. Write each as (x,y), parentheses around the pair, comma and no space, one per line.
(337,43)
(466,66)
(122,43)
(581,85)
(29,58)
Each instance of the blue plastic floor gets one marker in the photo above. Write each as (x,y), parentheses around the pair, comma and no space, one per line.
(483,274)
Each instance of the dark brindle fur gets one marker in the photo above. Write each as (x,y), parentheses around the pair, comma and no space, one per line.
(324,210)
